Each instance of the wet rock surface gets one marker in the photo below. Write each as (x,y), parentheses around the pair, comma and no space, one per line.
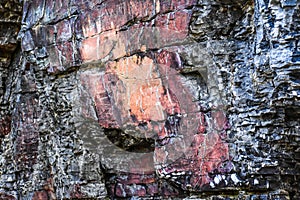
(180,99)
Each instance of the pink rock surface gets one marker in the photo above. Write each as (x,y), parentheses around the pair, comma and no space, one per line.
(147,89)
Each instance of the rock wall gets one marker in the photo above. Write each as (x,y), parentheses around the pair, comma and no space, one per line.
(153,99)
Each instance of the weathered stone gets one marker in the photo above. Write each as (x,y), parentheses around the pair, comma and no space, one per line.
(149,99)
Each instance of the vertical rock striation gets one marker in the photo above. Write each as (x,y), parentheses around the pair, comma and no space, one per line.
(187,99)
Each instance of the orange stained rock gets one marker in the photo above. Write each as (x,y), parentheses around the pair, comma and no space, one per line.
(89,49)
(145,89)
(99,46)
(145,95)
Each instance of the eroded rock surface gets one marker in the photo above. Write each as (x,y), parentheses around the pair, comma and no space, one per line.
(194,99)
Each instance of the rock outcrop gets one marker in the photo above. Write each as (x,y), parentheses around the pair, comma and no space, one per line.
(153,99)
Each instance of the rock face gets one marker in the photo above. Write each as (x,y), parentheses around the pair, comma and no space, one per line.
(153,99)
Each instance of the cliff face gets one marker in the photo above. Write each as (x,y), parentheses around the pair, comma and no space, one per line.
(149,99)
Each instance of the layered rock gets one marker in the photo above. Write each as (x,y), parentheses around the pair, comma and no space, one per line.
(10,24)
(149,99)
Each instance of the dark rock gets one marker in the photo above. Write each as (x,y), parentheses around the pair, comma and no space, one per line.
(149,99)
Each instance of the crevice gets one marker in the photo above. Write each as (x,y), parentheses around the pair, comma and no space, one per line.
(129,142)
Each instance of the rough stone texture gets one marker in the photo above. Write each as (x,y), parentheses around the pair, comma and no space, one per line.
(153,99)
(10,24)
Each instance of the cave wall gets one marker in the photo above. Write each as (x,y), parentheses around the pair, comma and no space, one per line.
(186,99)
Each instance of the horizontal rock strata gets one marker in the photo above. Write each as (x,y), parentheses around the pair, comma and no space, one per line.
(154,99)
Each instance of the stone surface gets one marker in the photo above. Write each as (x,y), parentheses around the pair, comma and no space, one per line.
(154,99)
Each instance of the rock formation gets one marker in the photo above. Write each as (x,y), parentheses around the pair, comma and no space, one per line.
(153,99)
